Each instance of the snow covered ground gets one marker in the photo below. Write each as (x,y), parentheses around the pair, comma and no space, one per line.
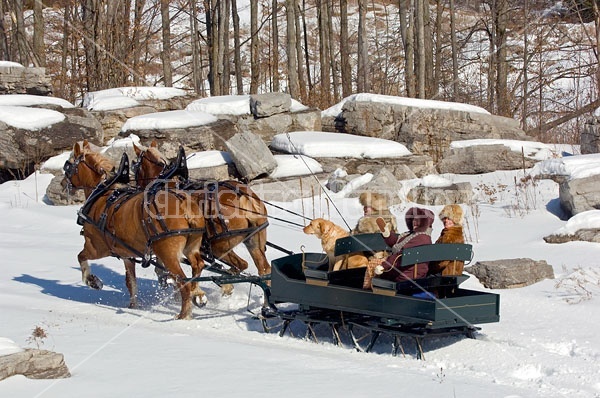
(545,344)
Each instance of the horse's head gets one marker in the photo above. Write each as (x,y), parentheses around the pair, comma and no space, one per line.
(150,164)
(87,169)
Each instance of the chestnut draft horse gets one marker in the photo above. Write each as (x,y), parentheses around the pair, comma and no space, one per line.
(127,223)
(233,212)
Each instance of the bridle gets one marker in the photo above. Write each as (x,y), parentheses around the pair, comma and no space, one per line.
(137,165)
(70,169)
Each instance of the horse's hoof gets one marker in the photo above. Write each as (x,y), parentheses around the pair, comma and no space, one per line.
(132,305)
(184,316)
(199,301)
(94,282)
(226,290)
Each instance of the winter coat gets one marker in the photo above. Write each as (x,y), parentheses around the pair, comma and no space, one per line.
(452,234)
(419,222)
(379,205)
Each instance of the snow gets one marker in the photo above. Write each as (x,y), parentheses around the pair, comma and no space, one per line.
(295,165)
(29,118)
(31,100)
(125,97)
(198,160)
(571,167)
(179,119)
(318,144)
(335,110)
(545,345)
(232,105)
(10,64)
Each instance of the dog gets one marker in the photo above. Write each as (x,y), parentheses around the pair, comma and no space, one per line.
(329,232)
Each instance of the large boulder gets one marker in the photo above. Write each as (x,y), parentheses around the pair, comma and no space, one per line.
(251,156)
(511,273)
(579,194)
(287,189)
(422,130)
(20,147)
(20,80)
(204,137)
(34,364)
(480,159)
(461,192)
(590,136)
(403,167)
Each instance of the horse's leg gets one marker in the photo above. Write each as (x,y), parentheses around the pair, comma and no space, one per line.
(131,282)
(170,251)
(87,277)
(224,251)
(197,264)
(256,245)
(162,276)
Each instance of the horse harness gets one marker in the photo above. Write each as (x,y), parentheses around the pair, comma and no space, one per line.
(116,199)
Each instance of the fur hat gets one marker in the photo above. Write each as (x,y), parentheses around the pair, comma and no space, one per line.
(375,200)
(453,212)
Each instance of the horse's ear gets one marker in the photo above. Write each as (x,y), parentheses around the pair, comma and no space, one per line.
(154,144)
(137,149)
(77,150)
(86,145)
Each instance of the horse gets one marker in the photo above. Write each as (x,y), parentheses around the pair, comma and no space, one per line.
(233,212)
(128,223)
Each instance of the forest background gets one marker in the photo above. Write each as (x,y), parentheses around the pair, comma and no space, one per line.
(532,60)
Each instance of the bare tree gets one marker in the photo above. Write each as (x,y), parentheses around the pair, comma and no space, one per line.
(346,69)
(362,75)
(39,53)
(325,64)
(166,43)
(254,49)
(293,85)
(405,12)
(275,45)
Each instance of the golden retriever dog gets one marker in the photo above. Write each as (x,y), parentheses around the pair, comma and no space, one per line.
(329,232)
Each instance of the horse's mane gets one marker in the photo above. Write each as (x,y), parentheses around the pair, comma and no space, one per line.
(101,163)
(157,156)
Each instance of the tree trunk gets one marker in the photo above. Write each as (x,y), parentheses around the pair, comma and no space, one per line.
(165,54)
(136,45)
(301,78)
(501,16)
(406,12)
(275,44)
(454,49)
(39,52)
(325,62)
(306,48)
(197,79)
(420,31)
(362,80)
(293,85)
(345,50)
(20,37)
(254,55)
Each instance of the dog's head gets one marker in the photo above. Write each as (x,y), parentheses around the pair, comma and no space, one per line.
(317,227)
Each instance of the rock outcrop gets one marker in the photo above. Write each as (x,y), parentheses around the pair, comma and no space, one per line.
(422,130)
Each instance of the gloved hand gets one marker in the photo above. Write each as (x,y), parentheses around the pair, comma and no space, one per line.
(383,227)
(379,270)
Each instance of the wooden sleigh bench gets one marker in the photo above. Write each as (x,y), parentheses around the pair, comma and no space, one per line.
(368,243)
